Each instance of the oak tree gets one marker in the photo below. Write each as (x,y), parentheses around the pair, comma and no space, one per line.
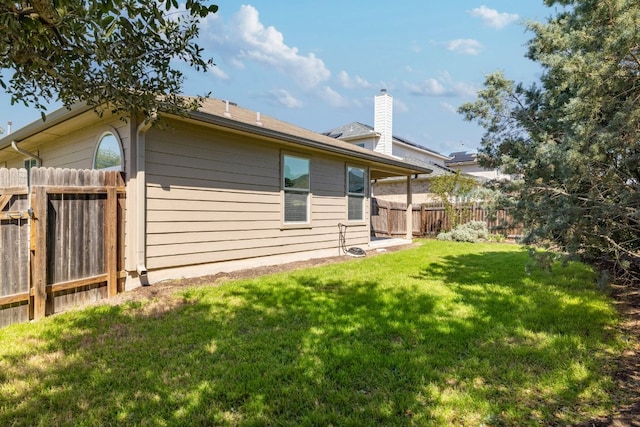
(115,54)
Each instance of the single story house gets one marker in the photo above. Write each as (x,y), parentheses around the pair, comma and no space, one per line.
(219,189)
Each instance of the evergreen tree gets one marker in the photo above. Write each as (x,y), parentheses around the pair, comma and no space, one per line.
(575,137)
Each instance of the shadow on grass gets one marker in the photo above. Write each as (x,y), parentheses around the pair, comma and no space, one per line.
(320,348)
(548,336)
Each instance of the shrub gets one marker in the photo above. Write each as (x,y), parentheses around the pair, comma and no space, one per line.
(472,231)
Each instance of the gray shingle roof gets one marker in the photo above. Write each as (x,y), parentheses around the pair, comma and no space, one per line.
(461,157)
(355,130)
(437,169)
(350,130)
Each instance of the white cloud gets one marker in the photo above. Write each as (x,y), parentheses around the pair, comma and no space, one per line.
(448,107)
(283,98)
(465,46)
(444,86)
(237,63)
(266,46)
(429,87)
(350,83)
(219,73)
(244,38)
(333,98)
(493,18)
(400,106)
(464,89)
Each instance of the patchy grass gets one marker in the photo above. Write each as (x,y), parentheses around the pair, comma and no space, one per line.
(442,334)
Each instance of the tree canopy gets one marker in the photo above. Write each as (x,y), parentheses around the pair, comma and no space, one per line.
(114,54)
(574,137)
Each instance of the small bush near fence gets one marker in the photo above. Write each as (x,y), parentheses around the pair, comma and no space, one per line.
(473,232)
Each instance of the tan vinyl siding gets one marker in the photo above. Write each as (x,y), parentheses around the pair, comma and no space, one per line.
(220,254)
(178,218)
(78,148)
(215,196)
(328,179)
(73,151)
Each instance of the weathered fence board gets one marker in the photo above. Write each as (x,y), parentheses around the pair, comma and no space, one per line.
(14,246)
(75,243)
(388,219)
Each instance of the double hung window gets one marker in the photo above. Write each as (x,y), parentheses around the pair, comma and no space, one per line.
(356,190)
(296,188)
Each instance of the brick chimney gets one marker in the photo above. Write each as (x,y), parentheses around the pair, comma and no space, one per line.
(382,122)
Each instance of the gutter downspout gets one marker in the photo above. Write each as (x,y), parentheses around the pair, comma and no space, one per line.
(141,196)
(14,145)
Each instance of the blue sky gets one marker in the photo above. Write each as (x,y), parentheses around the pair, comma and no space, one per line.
(319,64)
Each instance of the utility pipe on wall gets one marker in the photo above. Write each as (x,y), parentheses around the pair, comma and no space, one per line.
(141,198)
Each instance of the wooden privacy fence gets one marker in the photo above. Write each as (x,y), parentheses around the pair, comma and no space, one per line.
(14,245)
(388,219)
(61,240)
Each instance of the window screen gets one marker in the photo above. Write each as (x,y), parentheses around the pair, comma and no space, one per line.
(295,183)
(355,193)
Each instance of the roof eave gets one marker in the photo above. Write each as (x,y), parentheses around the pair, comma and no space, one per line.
(66,113)
(58,116)
(361,136)
(426,150)
(463,163)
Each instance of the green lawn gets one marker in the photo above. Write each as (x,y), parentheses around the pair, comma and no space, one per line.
(442,334)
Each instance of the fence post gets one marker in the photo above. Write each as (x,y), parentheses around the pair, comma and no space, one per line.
(39,251)
(110,241)
(409,210)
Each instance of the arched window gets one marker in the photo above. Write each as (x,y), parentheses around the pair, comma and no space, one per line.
(108,155)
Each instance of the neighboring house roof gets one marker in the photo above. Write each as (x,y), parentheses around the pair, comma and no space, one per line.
(353,130)
(357,130)
(461,160)
(415,145)
(230,117)
(462,157)
(437,169)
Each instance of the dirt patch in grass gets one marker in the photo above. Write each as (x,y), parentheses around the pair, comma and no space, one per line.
(627,375)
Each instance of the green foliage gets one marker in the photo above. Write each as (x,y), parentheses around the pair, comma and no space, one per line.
(574,138)
(107,159)
(473,232)
(112,54)
(448,188)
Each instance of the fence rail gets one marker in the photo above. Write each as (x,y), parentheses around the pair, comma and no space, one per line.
(66,234)
(388,219)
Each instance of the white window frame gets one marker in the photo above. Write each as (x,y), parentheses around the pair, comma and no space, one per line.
(362,196)
(291,190)
(114,133)
(29,163)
